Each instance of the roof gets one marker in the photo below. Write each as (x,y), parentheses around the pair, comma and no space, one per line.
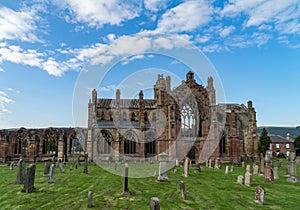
(123,124)
(279,139)
(125,103)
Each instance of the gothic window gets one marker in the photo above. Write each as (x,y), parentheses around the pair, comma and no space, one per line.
(75,146)
(150,145)
(130,143)
(49,143)
(21,145)
(104,141)
(132,118)
(124,116)
(189,119)
(223,144)
(146,117)
(102,115)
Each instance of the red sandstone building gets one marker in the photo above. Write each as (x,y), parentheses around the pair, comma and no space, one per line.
(281,145)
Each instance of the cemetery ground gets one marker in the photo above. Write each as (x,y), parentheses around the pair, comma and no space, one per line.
(209,189)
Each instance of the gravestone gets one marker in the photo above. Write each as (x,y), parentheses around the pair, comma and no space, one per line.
(240,179)
(231,169)
(54,160)
(269,176)
(248,176)
(226,169)
(176,162)
(21,172)
(125,181)
(275,172)
(162,173)
(11,166)
(76,166)
(243,164)
(174,169)
(186,167)
(90,199)
(62,170)
(293,174)
(182,190)
(262,163)
(46,168)
(255,170)
(85,170)
(29,179)
(197,168)
(217,163)
(154,204)
(279,164)
(287,169)
(209,163)
(260,195)
(71,168)
(51,174)
(206,163)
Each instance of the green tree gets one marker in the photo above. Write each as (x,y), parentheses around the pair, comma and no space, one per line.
(297,144)
(264,141)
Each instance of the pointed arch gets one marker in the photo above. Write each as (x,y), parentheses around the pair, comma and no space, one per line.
(130,140)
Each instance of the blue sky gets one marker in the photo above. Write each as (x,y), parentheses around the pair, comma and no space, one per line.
(46,45)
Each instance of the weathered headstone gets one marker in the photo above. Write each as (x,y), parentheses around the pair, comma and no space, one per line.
(29,179)
(162,173)
(11,166)
(248,176)
(154,204)
(90,199)
(275,172)
(176,162)
(174,170)
(62,170)
(243,164)
(210,163)
(71,168)
(287,169)
(226,169)
(255,170)
(186,167)
(21,172)
(197,168)
(125,181)
(262,163)
(76,166)
(51,174)
(217,163)
(85,170)
(279,164)
(46,168)
(293,174)
(269,176)
(231,169)
(240,179)
(182,190)
(260,195)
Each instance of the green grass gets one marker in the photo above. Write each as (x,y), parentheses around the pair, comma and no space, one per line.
(210,189)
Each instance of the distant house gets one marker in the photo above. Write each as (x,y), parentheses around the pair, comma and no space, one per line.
(281,145)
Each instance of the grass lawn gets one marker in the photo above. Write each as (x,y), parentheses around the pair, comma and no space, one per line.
(210,189)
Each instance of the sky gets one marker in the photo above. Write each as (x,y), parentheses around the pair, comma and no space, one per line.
(47,47)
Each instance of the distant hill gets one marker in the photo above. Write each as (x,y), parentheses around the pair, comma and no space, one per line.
(282,131)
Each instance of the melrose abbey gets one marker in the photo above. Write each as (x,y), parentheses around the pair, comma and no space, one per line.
(183,121)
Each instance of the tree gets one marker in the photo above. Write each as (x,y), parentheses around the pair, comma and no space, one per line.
(264,142)
(297,145)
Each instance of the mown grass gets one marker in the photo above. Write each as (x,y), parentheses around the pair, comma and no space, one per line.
(210,189)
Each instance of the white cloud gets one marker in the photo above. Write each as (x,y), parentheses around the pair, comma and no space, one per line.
(12,90)
(96,13)
(4,100)
(2,70)
(155,5)
(18,25)
(227,31)
(126,60)
(186,17)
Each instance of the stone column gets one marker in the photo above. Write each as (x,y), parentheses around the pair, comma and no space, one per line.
(85,170)
(162,174)
(90,199)
(154,204)
(125,182)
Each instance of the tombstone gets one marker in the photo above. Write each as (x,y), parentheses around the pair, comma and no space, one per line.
(174,170)
(240,179)
(62,170)
(64,159)
(248,176)
(293,175)
(78,161)
(209,163)
(29,180)
(51,174)
(287,169)
(217,163)
(275,173)
(11,166)
(243,164)
(226,169)
(279,164)
(125,181)
(186,167)
(154,204)
(182,190)
(269,177)
(231,169)
(151,160)
(90,199)
(76,166)
(260,195)
(197,168)
(206,163)
(71,168)
(262,163)
(256,170)
(176,162)
(162,173)
(85,170)
(21,172)
(46,168)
